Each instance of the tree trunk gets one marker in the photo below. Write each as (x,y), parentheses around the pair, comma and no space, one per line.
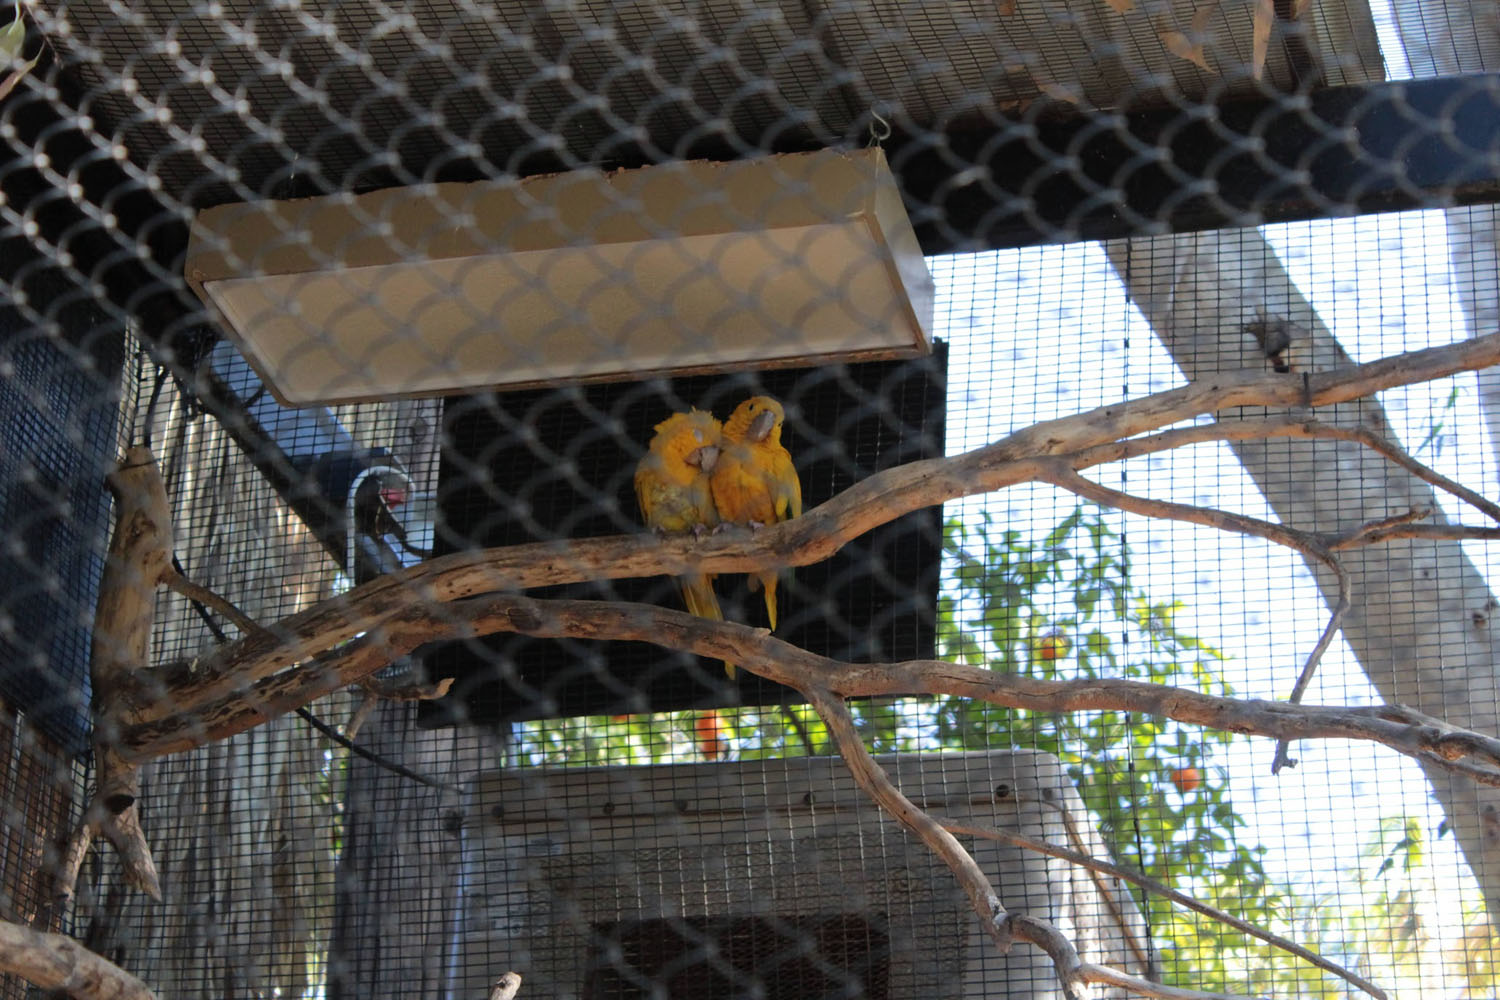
(398,886)
(1420,621)
(1474,252)
(240,830)
(1435,47)
(398,889)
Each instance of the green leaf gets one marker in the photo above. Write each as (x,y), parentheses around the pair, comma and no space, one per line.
(1064,528)
(13,40)
(12,44)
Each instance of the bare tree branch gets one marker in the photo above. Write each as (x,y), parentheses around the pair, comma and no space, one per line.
(1283,756)
(1398,455)
(1355,536)
(273,670)
(506,987)
(1153,886)
(1075,972)
(871,777)
(813,537)
(1274,427)
(140,549)
(1430,532)
(1308,544)
(1106,976)
(1072,972)
(1402,729)
(1059,474)
(173,579)
(55,962)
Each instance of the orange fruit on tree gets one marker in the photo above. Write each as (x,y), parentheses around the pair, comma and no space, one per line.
(1053,645)
(709,735)
(1187,778)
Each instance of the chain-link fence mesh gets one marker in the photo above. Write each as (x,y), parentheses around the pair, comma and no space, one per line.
(402,299)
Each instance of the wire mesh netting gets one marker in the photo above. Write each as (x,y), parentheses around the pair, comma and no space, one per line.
(692,500)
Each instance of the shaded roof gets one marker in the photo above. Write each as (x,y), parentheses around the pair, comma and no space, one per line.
(230,100)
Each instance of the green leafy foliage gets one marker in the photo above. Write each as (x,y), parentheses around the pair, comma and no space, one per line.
(1411,936)
(1157,791)
(1064,607)
(1437,432)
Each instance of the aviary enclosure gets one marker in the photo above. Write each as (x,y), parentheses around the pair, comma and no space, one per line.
(691,500)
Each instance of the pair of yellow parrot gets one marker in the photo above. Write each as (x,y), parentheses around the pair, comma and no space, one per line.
(698,473)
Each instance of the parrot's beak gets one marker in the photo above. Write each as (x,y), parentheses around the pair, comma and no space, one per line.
(761,426)
(705,457)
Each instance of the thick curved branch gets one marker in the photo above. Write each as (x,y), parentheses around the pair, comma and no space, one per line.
(815,536)
(54,962)
(1402,729)
(1072,972)
(339,641)
(871,777)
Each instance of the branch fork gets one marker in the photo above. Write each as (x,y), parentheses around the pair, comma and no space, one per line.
(342,641)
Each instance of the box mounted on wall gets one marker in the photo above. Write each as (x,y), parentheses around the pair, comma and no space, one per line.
(777,879)
(680,268)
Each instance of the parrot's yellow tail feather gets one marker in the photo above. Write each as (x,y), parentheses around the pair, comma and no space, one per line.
(698,594)
(768,581)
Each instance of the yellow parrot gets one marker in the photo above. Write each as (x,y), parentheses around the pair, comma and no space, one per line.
(672,488)
(755,482)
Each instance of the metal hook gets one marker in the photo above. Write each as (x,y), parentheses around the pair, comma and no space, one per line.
(880,126)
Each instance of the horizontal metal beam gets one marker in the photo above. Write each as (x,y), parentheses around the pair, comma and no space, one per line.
(1104,175)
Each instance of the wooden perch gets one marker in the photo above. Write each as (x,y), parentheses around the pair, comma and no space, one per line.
(506,987)
(368,615)
(1074,975)
(1402,729)
(871,777)
(242,684)
(56,963)
(138,561)
(378,689)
